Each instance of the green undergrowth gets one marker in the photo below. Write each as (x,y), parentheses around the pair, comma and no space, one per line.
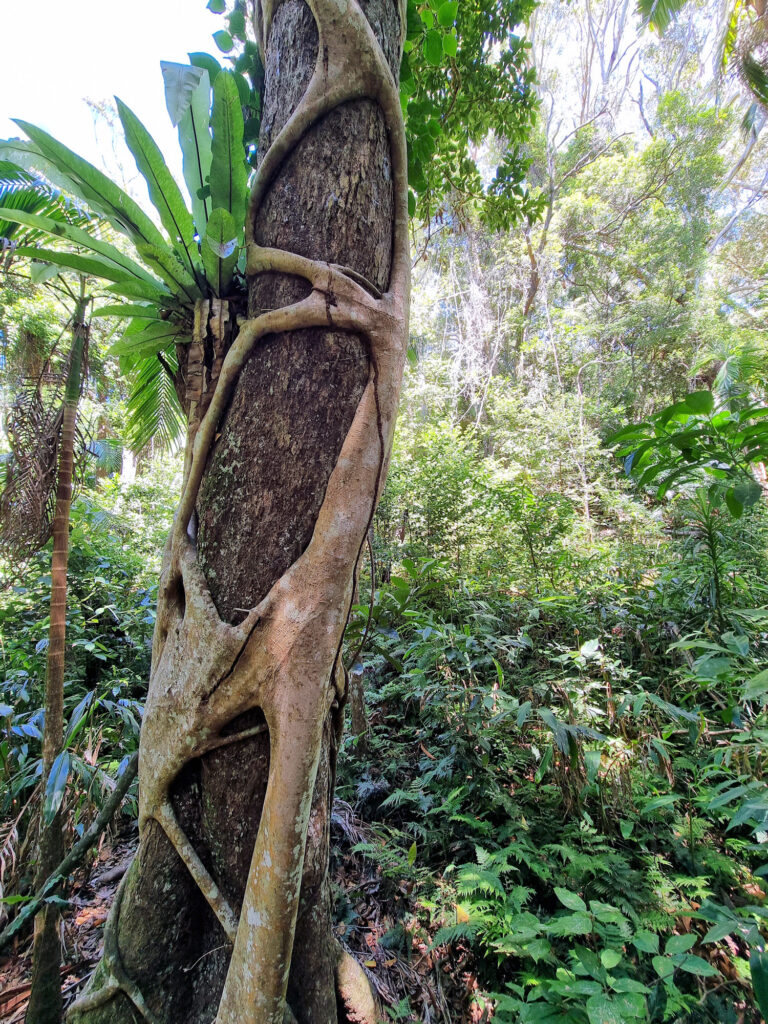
(570,789)
(116,539)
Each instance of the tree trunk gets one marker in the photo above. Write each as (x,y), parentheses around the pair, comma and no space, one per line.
(45,994)
(226,910)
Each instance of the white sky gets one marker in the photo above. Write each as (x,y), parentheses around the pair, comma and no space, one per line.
(57,52)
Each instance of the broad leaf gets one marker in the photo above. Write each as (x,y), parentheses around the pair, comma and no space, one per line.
(141,290)
(129,310)
(188,98)
(229,180)
(220,250)
(163,191)
(55,787)
(92,266)
(758,965)
(96,188)
(569,899)
(61,229)
(148,340)
(165,262)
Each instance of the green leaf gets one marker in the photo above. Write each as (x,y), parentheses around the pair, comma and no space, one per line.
(163,191)
(96,188)
(696,965)
(700,402)
(571,924)
(446,13)
(720,931)
(433,47)
(569,899)
(679,944)
(39,273)
(229,178)
(236,22)
(658,802)
(539,949)
(659,14)
(129,310)
(546,760)
(412,855)
(148,340)
(601,1009)
(188,98)
(758,965)
(757,686)
(86,239)
(56,786)
(167,265)
(735,507)
(646,942)
(223,40)
(450,45)
(91,266)
(610,958)
(206,61)
(220,250)
(141,290)
(663,967)
(748,493)
(216,6)
(154,411)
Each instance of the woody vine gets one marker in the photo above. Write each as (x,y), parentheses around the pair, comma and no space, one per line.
(284,658)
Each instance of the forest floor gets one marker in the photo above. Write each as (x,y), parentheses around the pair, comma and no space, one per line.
(443,988)
(82,929)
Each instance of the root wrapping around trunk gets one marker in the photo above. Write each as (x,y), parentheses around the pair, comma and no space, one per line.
(284,657)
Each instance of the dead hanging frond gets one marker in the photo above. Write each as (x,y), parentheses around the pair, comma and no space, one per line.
(28,471)
(9,848)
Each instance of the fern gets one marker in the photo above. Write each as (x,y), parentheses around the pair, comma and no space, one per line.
(454,933)
(474,879)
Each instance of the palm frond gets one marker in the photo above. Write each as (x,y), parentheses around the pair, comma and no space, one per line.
(28,472)
(659,14)
(29,193)
(154,410)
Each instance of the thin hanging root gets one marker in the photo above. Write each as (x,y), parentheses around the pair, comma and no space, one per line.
(216,900)
(117,978)
(238,737)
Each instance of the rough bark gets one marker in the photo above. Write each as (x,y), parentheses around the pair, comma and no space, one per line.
(45,994)
(272,560)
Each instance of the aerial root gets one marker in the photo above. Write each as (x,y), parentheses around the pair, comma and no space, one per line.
(355,990)
(117,977)
(189,855)
(342,299)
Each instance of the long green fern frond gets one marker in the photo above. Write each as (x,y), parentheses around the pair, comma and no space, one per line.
(154,410)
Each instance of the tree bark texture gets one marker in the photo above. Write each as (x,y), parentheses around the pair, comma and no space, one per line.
(45,994)
(305,430)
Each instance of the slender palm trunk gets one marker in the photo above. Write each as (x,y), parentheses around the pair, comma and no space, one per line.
(45,997)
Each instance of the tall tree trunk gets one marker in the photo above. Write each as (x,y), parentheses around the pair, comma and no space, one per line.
(226,910)
(45,995)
